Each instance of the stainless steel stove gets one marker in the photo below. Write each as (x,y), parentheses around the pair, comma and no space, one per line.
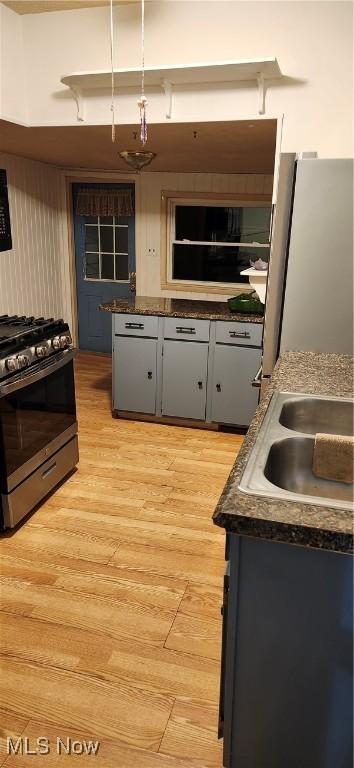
(38,427)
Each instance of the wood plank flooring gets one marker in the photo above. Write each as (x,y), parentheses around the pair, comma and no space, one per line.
(110,596)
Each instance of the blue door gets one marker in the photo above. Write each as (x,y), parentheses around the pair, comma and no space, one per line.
(105,268)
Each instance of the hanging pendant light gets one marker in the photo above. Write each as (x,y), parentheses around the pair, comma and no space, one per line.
(137,160)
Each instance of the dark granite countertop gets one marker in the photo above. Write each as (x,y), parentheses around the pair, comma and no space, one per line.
(164,307)
(310,525)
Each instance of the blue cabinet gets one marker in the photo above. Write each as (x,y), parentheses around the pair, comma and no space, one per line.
(286,693)
(168,367)
(184,379)
(234,400)
(134,374)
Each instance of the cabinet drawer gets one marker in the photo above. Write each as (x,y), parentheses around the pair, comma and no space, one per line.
(249,334)
(39,483)
(136,325)
(186,328)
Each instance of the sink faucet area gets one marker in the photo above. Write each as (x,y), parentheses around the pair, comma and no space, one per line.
(280,463)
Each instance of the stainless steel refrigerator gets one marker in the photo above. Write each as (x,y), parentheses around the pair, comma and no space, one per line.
(309,300)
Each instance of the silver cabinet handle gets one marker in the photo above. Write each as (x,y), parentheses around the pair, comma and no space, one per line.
(49,470)
(257,379)
(135,326)
(181,329)
(239,334)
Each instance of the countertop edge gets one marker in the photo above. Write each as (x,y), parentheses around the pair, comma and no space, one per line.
(311,526)
(285,533)
(188,308)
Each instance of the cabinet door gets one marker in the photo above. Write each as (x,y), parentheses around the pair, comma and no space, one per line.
(234,400)
(185,365)
(134,380)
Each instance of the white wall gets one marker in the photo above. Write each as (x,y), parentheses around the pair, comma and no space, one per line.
(312,41)
(31,274)
(149,218)
(313,44)
(13,97)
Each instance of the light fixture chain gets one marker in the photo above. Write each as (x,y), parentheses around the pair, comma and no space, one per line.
(112,72)
(143,48)
(143,100)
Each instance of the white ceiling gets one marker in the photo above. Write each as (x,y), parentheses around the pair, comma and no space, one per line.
(242,146)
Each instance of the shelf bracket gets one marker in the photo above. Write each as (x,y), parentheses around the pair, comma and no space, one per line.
(78,96)
(167,89)
(261,93)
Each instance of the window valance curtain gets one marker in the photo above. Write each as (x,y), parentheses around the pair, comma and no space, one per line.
(104,202)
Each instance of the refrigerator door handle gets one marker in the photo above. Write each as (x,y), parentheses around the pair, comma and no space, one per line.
(257,379)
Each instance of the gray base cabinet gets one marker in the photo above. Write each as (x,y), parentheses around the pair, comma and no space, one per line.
(134,373)
(184,378)
(193,369)
(234,400)
(287,664)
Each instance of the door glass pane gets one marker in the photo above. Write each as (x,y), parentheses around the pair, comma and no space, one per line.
(210,263)
(91,238)
(122,270)
(107,266)
(106,234)
(91,219)
(106,219)
(122,220)
(222,224)
(92,270)
(121,239)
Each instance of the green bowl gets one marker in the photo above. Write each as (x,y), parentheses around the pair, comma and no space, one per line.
(247,303)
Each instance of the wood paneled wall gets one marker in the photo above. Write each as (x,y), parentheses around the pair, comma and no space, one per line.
(31,273)
(149,211)
(34,275)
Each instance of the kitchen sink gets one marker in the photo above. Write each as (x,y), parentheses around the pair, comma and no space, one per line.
(312,415)
(280,463)
(289,467)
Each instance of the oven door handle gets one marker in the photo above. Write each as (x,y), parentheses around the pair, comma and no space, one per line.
(31,378)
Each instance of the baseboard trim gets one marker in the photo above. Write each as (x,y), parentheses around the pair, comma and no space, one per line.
(171,420)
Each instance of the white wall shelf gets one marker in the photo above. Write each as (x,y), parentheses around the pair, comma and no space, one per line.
(258,280)
(166,77)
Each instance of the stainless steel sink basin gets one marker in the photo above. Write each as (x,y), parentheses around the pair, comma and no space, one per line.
(312,415)
(280,463)
(289,467)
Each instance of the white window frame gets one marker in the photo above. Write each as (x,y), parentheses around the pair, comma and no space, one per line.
(99,253)
(171,201)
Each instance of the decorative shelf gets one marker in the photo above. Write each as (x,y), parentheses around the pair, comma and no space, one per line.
(258,280)
(166,77)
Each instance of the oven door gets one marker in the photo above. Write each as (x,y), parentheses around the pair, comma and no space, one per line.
(37,417)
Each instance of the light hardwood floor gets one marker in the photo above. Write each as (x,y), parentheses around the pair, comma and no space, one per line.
(110,596)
